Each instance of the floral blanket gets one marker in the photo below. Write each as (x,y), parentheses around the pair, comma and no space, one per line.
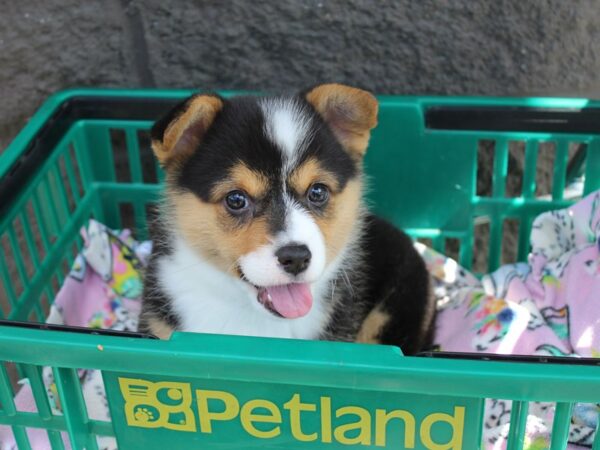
(547,306)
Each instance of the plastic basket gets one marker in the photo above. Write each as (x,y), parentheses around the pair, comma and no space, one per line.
(85,153)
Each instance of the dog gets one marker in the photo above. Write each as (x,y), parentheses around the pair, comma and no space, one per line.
(263,230)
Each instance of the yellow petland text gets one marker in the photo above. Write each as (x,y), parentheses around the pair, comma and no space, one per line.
(369,426)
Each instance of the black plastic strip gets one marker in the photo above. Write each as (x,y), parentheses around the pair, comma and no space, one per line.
(489,118)
(73,329)
(76,108)
(569,360)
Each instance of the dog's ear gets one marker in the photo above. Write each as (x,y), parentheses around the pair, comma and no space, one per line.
(351,114)
(176,136)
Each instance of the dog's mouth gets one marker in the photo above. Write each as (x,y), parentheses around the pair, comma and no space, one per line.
(287,301)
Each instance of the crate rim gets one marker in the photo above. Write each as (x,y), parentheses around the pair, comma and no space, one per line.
(56,100)
(242,358)
(16,163)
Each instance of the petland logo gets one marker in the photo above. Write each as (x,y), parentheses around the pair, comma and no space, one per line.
(170,406)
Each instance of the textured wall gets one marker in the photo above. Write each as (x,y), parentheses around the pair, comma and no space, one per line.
(456,47)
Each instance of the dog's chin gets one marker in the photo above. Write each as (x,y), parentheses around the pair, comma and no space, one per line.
(287,301)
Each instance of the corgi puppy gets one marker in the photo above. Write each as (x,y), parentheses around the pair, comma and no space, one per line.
(263,231)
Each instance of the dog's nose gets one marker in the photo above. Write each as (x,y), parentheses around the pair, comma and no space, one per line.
(294,258)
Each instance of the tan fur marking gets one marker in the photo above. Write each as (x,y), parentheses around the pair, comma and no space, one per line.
(241,177)
(350,112)
(371,328)
(211,230)
(311,172)
(183,135)
(159,328)
(340,219)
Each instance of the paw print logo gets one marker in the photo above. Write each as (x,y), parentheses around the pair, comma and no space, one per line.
(163,404)
(144,415)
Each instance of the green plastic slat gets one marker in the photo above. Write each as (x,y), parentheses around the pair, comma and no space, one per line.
(70,259)
(56,440)
(29,240)
(21,438)
(98,147)
(33,420)
(49,207)
(37,212)
(6,281)
(60,276)
(16,253)
(83,155)
(518,423)
(6,395)
(514,207)
(48,292)
(42,278)
(82,158)
(596,444)
(464,252)
(102,428)
(8,407)
(34,374)
(495,243)
(560,427)
(592,167)
(500,168)
(61,194)
(560,169)
(69,164)
(133,153)
(531,155)
(74,410)
(103,168)
(139,214)
(498,190)
(438,244)
(524,235)
(39,312)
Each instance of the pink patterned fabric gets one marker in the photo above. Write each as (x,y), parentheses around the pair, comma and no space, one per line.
(548,306)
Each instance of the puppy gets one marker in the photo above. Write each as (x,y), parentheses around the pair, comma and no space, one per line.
(263,230)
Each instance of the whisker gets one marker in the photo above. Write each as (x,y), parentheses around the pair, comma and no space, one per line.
(347,280)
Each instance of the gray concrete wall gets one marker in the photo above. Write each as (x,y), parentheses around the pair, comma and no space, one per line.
(500,47)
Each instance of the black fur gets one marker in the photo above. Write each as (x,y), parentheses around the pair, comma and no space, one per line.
(156,304)
(399,280)
(236,135)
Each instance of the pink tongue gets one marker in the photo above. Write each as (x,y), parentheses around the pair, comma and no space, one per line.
(290,300)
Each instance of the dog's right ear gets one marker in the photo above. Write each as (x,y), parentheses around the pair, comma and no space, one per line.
(351,114)
(176,136)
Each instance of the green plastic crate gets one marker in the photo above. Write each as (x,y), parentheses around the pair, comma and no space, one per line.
(216,392)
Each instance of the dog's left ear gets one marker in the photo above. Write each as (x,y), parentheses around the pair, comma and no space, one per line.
(351,114)
(177,136)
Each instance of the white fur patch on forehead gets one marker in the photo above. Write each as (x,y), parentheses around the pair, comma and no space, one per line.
(301,228)
(262,268)
(287,125)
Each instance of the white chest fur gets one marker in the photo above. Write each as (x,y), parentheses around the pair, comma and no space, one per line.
(207,300)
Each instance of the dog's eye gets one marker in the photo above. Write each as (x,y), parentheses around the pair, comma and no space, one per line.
(237,201)
(318,194)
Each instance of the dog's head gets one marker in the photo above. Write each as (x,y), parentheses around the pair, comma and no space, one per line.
(268,188)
